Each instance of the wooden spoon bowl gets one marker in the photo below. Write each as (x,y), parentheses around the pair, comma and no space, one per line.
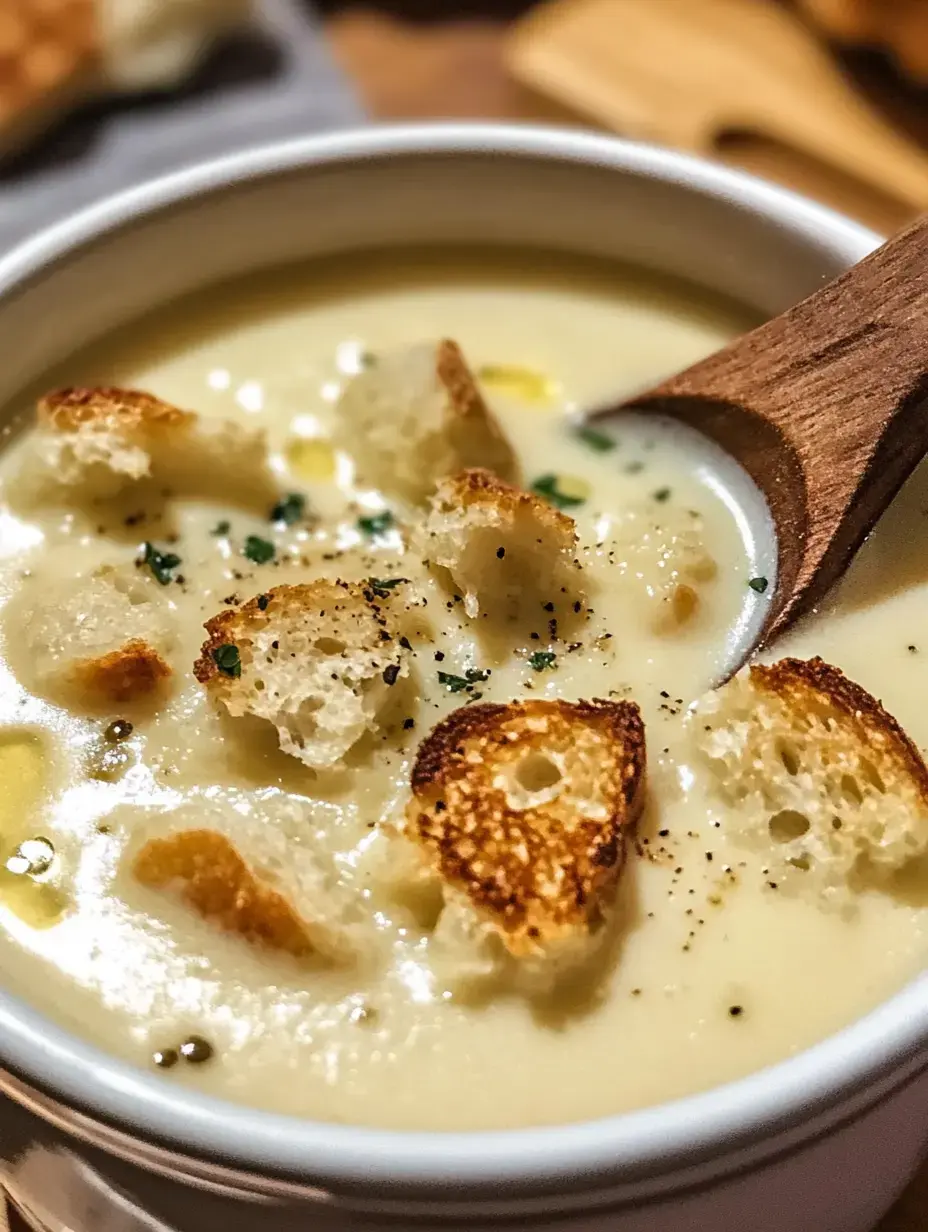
(826,408)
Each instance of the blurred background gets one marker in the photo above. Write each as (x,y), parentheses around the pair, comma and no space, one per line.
(827,96)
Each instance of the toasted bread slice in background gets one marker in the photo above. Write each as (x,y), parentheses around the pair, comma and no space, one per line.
(98,441)
(522,811)
(318,661)
(815,774)
(417,415)
(506,550)
(95,640)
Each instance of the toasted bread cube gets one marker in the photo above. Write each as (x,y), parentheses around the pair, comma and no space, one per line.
(317,661)
(204,868)
(97,640)
(255,869)
(506,550)
(814,774)
(97,442)
(522,811)
(417,415)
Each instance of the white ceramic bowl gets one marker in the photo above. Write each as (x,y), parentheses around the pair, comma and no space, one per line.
(819,1143)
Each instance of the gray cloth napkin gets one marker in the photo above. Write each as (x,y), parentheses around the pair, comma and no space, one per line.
(278,83)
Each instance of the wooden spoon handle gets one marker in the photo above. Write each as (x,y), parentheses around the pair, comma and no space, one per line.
(825,407)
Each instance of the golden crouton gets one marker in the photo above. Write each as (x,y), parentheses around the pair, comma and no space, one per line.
(317,661)
(95,640)
(523,811)
(506,550)
(134,671)
(815,775)
(97,441)
(417,415)
(207,871)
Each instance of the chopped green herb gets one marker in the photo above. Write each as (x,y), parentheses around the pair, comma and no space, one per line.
(367,359)
(759,584)
(377,523)
(634,468)
(542,659)
(228,660)
(258,550)
(162,564)
(596,440)
(662,494)
(289,510)
(547,486)
(455,684)
(382,586)
(221,528)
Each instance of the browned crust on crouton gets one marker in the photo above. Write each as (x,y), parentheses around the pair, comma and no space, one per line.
(212,877)
(476,487)
(68,410)
(469,408)
(540,871)
(463,392)
(793,679)
(236,626)
(134,671)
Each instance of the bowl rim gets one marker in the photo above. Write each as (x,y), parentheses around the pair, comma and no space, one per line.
(653,1141)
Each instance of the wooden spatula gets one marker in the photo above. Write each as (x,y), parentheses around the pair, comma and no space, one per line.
(687,72)
(826,408)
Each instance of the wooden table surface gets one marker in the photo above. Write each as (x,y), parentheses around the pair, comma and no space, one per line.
(456,70)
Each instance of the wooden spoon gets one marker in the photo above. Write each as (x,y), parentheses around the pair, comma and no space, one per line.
(689,72)
(826,408)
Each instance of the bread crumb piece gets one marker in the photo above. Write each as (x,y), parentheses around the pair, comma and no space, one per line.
(95,442)
(97,640)
(417,415)
(318,661)
(812,772)
(509,551)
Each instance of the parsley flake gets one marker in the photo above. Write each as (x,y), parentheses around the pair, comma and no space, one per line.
(377,523)
(258,550)
(162,564)
(456,684)
(662,494)
(228,660)
(221,528)
(547,486)
(290,510)
(383,586)
(596,440)
(542,659)
(759,584)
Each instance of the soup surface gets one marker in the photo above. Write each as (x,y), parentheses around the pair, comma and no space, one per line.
(710,971)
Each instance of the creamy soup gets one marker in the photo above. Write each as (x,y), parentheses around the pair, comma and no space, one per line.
(710,971)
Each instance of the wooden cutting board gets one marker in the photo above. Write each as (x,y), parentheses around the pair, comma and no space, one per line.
(741,80)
